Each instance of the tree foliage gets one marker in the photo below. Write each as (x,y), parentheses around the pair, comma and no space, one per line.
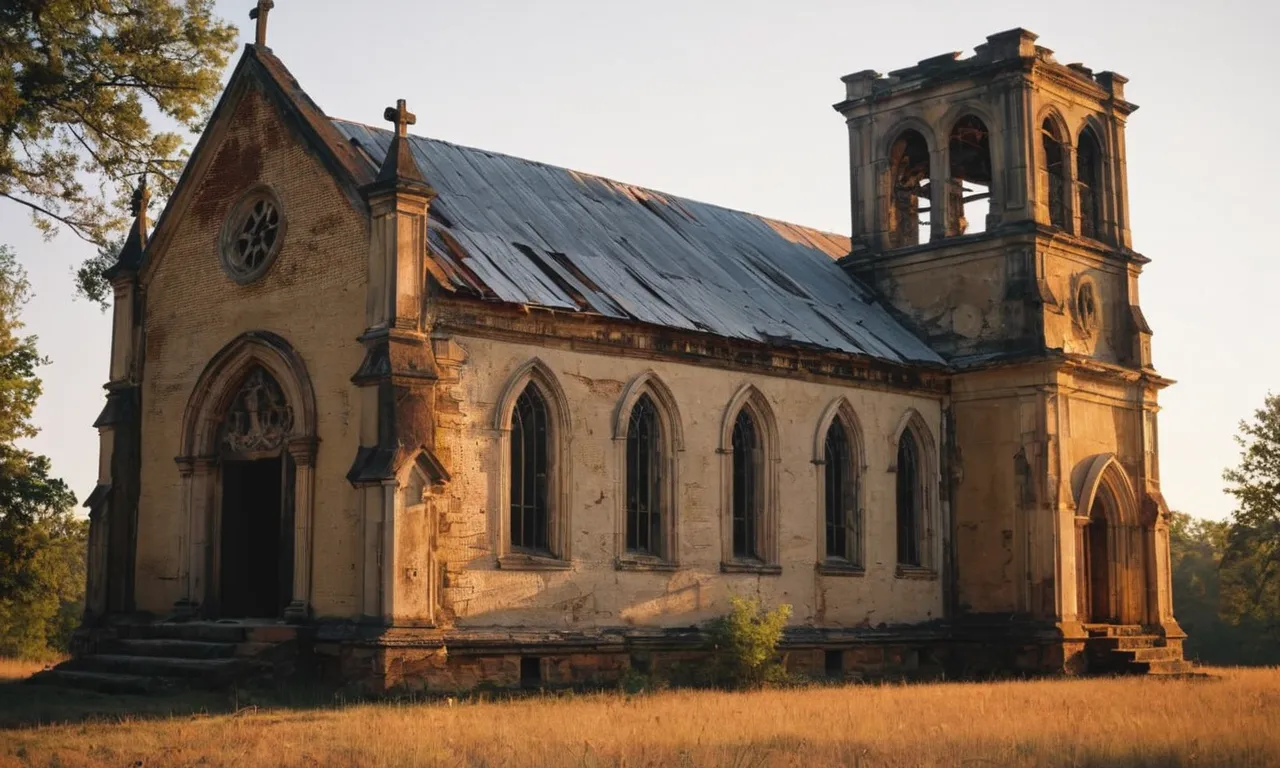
(1196,548)
(80,84)
(41,543)
(1251,557)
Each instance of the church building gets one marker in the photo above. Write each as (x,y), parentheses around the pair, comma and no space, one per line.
(433,417)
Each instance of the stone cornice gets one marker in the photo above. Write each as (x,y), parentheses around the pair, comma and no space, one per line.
(601,335)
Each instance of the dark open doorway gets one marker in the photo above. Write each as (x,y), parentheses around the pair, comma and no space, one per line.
(256,562)
(1097,560)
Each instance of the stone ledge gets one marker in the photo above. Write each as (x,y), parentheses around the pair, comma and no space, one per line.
(518,561)
(915,572)
(839,568)
(644,564)
(738,566)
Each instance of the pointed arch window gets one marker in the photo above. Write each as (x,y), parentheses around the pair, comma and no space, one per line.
(530,457)
(1056,169)
(909,501)
(644,479)
(1089,183)
(840,475)
(747,496)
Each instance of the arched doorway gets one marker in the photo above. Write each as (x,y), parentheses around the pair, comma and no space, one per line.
(1114,575)
(249,442)
(1097,581)
(255,520)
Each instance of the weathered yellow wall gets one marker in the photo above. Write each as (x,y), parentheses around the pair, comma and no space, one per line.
(593,592)
(313,296)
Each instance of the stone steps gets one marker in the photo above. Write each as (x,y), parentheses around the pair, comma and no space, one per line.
(1128,650)
(165,656)
(103,682)
(178,649)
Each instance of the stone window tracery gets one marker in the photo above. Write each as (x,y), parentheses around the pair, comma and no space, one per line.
(260,418)
(252,235)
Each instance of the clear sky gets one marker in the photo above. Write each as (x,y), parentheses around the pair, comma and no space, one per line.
(729,101)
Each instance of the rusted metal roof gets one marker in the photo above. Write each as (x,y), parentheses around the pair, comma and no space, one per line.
(522,232)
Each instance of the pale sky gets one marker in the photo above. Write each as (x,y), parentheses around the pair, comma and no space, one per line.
(729,101)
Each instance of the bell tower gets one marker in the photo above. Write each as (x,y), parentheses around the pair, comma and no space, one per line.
(990,209)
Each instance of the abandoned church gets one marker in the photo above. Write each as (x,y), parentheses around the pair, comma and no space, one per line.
(416,415)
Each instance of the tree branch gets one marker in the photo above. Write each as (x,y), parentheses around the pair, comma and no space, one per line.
(78,227)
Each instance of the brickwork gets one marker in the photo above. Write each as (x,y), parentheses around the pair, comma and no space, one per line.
(313,296)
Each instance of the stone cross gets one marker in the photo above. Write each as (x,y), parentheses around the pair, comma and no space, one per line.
(259,15)
(401,116)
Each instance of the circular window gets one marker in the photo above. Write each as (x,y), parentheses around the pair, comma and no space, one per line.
(1086,306)
(252,235)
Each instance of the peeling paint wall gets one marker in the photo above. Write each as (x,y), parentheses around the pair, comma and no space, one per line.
(593,592)
(313,296)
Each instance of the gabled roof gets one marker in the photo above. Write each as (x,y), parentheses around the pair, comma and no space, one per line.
(517,231)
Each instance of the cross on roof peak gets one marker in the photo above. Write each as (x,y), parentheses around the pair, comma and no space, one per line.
(401,116)
(259,14)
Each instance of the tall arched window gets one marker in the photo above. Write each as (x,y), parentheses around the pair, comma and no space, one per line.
(644,479)
(970,185)
(1056,168)
(841,498)
(909,500)
(1089,182)
(909,190)
(530,456)
(747,495)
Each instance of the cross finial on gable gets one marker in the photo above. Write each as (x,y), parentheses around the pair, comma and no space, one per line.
(259,14)
(401,116)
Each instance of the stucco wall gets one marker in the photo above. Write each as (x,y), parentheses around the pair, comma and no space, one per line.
(593,592)
(313,296)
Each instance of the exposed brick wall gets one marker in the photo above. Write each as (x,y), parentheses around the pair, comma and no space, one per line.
(313,296)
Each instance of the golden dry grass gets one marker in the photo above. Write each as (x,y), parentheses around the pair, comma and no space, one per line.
(18,669)
(1232,719)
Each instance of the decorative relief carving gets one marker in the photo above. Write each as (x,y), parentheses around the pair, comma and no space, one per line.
(1084,308)
(260,418)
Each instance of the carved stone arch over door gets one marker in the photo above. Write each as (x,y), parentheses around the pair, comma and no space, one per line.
(1114,546)
(252,405)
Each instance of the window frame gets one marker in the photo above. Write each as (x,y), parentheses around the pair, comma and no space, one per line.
(670,446)
(927,488)
(766,534)
(558,555)
(853,563)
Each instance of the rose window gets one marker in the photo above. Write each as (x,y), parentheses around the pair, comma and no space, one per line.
(252,235)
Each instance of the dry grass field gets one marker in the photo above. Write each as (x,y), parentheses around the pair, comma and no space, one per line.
(1229,719)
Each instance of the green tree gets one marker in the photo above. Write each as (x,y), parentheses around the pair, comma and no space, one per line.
(42,558)
(1250,570)
(1197,546)
(80,81)
(744,643)
(41,543)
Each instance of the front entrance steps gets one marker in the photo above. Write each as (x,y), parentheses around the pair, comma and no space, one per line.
(165,656)
(1130,650)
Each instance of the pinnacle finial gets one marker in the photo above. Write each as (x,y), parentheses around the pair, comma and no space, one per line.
(259,14)
(141,197)
(401,116)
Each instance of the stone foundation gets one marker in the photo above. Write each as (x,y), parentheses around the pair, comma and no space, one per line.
(431,661)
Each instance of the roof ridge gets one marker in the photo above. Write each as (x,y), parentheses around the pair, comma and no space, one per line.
(682,198)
